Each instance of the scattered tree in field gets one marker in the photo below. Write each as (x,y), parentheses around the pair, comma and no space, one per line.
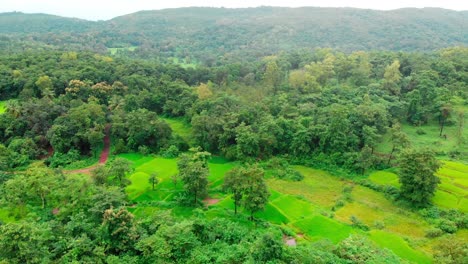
(234,182)
(445,112)
(256,193)
(119,168)
(418,182)
(399,140)
(460,125)
(193,171)
(153,180)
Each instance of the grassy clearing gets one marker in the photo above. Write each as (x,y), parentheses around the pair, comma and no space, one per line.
(2,107)
(114,51)
(183,63)
(430,140)
(180,127)
(452,191)
(399,246)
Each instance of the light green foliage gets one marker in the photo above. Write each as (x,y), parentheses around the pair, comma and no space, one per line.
(2,107)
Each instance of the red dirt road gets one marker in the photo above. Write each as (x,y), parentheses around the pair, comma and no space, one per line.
(104,154)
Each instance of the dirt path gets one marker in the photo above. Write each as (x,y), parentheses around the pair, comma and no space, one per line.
(102,159)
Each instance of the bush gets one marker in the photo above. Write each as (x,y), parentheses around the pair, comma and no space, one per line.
(120,147)
(171,152)
(61,160)
(379,224)
(447,226)
(356,222)
(434,232)
(420,131)
(143,150)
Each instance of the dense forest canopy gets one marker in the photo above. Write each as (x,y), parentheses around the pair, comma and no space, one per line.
(261,135)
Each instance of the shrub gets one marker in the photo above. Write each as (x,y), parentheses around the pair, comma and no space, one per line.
(420,131)
(60,159)
(356,222)
(434,232)
(379,224)
(144,150)
(120,147)
(447,226)
(171,152)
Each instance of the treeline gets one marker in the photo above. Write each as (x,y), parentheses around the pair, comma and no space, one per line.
(321,107)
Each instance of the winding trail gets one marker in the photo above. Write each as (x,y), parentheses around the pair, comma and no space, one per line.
(102,159)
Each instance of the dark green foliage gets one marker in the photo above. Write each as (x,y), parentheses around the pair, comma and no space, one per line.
(418,182)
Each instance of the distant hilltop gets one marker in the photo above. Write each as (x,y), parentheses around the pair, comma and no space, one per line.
(199,32)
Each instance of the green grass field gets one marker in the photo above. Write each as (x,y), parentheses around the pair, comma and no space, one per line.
(431,139)
(452,192)
(180,127)
(2,107)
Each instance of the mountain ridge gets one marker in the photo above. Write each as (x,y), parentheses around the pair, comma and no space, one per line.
(200,33)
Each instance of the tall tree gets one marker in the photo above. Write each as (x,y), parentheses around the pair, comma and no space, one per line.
(418,182)
(392,77)
(256,193)
(153,180)
(399,140)
(193,171)
(234,182)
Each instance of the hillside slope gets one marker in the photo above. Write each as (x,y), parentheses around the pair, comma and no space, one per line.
(210,32)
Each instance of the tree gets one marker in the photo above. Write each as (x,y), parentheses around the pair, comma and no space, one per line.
(193,171)
(234,182)
(256,193)
(418,182)
(392,77)
(99,175)
(399,140)
(153,180)
(25,242)
(272,74)
(118,230)
(119,168)
(451,251)
(44,83)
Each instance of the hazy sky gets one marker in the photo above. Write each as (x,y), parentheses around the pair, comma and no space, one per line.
(99,9)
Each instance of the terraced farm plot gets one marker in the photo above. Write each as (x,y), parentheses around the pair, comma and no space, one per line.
(303,206)
(399,246)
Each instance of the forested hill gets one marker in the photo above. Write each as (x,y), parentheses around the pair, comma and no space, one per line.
(207,33)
